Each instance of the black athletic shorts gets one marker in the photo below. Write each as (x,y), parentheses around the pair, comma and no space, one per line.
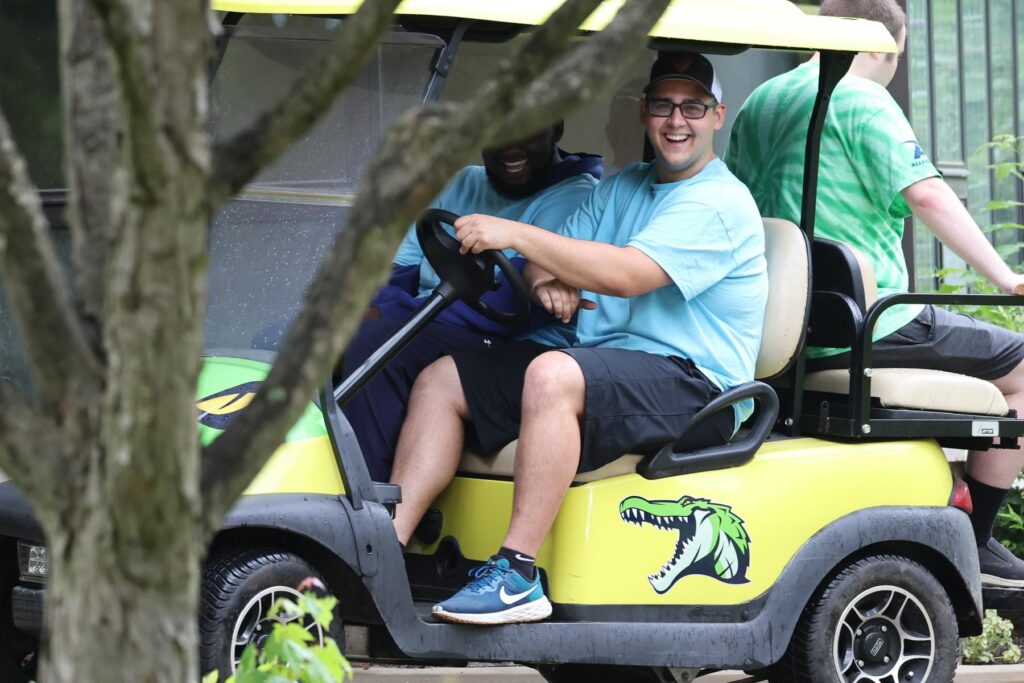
(636,402)
(939,340)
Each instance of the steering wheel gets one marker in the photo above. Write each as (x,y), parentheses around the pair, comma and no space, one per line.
(469,276)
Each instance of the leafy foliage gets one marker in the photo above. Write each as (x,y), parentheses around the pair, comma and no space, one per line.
(289,655)
(1009,151)
(1009,528)
(994,645)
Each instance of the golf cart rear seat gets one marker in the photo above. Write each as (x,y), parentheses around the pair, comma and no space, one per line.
(889,402)
(788,300)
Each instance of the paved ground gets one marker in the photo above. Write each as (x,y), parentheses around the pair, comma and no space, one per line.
(518,674)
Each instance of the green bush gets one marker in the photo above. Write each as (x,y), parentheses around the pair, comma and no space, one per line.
(994,645)
(1009,528)
(288,655)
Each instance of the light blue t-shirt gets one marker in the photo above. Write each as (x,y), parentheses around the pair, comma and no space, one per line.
(471,192)
(706,233)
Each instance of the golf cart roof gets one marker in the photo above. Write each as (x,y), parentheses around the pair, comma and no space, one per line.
(745,23)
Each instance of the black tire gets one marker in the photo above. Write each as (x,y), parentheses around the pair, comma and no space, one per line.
(883,606)
(18,651)
(232,581)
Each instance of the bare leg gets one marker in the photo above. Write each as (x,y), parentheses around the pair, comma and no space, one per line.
(430,444)
(999,467)
(549,447)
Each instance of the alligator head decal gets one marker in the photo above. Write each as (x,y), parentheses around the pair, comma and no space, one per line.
(712,540)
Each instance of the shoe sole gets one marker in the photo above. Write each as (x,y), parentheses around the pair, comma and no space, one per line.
(535,610)
(999,582)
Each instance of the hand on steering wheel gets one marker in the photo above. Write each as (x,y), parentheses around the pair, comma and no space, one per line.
(469,276)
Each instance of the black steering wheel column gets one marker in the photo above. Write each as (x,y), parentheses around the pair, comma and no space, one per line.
(465,277)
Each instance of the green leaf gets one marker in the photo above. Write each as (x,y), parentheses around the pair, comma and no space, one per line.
(321,609)
(212,677)
(335,662)
(1000,204)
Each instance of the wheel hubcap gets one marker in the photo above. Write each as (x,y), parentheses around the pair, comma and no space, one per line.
(255,626)
(884,636)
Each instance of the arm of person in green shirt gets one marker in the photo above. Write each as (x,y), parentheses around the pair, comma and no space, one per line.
(593,266)
(936,205)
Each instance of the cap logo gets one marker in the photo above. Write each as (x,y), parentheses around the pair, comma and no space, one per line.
(682,63)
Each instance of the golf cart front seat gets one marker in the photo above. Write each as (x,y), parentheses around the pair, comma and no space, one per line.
(788,300)
(868,402)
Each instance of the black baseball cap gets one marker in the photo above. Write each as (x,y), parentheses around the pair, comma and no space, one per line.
(685,66)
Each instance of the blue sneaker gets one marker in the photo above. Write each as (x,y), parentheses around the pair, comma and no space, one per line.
(497,594)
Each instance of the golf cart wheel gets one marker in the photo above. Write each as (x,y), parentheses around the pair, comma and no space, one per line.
(882,619)
(238,589)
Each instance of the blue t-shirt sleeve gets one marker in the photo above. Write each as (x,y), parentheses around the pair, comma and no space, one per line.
(583,223)
(554,207)
(409,252)
(691,243)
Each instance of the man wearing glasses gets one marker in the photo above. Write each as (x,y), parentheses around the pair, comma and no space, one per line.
(672,253)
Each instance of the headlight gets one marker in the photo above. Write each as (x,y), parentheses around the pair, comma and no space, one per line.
(33,562)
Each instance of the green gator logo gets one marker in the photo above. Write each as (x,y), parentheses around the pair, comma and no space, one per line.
(712,540)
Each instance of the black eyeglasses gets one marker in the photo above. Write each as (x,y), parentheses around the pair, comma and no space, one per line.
(689,110)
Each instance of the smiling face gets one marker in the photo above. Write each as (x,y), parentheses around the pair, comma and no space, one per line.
(519,168)
(682,147)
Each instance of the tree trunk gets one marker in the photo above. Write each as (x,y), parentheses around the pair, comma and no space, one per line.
(148,622)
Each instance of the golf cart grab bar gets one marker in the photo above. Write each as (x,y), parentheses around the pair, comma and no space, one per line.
(860,353)
(669,462)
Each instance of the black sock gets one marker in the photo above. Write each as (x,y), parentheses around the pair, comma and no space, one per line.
(521,562)
(987,501)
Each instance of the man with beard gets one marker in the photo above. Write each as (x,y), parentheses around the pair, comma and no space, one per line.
(529,181)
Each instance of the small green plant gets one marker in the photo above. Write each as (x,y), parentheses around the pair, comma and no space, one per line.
(994,645)
(289,654)
(1009,528)
(1008,153)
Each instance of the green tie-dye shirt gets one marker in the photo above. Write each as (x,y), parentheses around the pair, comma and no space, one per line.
(869,154)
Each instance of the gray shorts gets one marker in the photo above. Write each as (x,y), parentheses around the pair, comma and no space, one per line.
(636,402)
(939,340)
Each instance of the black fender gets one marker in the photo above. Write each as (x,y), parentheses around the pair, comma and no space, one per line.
(329,521)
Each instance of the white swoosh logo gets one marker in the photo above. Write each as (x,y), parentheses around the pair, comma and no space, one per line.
(509,599)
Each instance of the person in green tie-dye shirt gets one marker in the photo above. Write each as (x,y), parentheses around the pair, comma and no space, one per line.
(873,175)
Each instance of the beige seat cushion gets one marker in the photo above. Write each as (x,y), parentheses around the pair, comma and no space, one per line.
(788,286)
(918,389)
(503,465)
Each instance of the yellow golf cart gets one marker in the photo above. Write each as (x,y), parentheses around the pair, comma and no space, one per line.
(826,542)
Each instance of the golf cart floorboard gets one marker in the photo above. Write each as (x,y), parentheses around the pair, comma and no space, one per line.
(424,607)
(1003,599)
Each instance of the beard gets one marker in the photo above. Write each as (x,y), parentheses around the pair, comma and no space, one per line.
(514,190)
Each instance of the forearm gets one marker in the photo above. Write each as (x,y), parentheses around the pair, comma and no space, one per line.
(938,207)
(590,266)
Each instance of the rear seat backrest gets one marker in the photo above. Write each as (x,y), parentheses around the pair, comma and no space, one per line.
(839,267)
(788,297)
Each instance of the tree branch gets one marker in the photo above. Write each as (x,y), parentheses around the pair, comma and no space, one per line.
(36,288)
(24,434)
(94,129)
(237,161)
(575,79)
(128,28)
(415,159)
